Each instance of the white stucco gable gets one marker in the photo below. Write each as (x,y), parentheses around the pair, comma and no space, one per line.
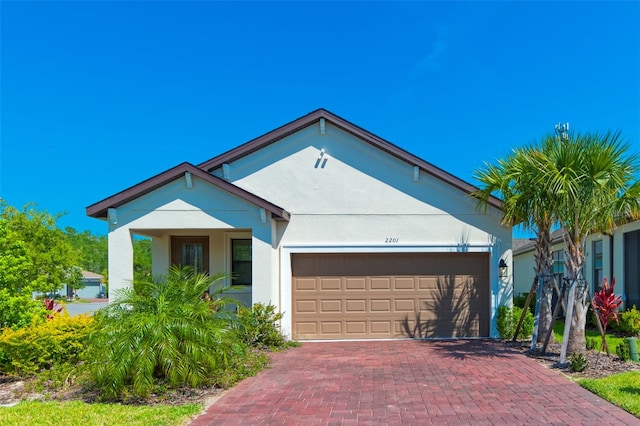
(335,174)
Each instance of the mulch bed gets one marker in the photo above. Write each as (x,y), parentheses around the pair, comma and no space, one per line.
(599,364)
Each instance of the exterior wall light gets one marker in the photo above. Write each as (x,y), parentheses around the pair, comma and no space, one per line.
(502,269)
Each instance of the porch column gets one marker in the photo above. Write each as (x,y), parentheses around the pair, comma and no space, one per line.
(120,260)
(264,286)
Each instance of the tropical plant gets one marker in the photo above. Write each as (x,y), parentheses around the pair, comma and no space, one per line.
(162,329)
(524,202)
(605,303)
(590,180)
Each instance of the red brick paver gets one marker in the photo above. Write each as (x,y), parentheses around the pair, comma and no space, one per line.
(477,382)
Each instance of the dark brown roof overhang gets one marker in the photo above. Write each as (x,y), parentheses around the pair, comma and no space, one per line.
(99,209)
(313,117)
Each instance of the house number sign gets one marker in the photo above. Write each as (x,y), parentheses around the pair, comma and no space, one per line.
(391,240)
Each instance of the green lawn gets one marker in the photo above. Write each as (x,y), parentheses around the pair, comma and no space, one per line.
(612,341)
(621,389)
(75,413)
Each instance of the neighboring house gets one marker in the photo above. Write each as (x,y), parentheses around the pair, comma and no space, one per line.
(618,252)
(347,234)
(93,287)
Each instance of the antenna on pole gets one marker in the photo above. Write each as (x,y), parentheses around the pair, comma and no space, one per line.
(562,131)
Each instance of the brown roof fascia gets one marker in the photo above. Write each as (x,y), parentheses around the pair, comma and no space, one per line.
(99,209)
(307,120)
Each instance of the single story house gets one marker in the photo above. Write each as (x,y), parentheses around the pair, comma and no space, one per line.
(347,234)
(94,287)
(615,255)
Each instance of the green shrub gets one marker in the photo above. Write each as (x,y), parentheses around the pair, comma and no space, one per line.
(521,299)
(629,322)
(17,311)
(53,380)
(578,362)
(44,344)
(623,351)
(508,321)
(243,362)
(161,331)
(259,326)
(592,343)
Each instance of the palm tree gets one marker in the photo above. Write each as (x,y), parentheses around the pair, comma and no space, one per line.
(516,180)
(591,180)
(160,329)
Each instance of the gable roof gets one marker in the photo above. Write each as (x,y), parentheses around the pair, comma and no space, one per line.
(313,117)
(99,209)
(521,245)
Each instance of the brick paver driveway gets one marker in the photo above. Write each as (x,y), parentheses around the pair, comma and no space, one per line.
(473,382)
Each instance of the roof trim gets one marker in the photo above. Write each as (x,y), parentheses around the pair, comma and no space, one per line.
(99,209)
(309,119)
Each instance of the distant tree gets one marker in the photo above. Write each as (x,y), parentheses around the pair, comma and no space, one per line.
(92,248)
(142,258)
(35,255)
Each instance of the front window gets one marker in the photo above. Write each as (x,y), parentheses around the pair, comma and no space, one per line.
(597,264)
(241,262)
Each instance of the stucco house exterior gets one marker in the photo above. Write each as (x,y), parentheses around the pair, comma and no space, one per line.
(93,287)
(615,255)
(347,234)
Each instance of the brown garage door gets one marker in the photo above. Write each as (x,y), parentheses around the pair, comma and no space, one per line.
(381,295)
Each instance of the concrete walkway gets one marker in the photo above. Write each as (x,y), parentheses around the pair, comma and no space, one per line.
(410,383)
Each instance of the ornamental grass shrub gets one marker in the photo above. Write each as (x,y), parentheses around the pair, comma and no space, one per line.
(44,344)
(163,331)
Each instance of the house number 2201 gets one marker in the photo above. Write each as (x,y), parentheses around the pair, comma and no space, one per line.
(391,240)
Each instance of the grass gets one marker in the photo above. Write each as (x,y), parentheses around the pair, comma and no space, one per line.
(621,389)
(79,413)
(612,341)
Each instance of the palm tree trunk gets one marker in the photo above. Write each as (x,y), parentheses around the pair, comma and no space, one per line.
(575,260)
(544,263)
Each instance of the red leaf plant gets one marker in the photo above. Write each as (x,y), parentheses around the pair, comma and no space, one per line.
(605,303)
(50,305)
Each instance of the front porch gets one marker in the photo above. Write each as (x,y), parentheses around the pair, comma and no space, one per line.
(239,254)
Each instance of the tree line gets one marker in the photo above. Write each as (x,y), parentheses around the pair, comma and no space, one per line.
(38,257)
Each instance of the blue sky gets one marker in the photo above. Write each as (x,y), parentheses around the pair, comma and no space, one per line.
(98,96)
